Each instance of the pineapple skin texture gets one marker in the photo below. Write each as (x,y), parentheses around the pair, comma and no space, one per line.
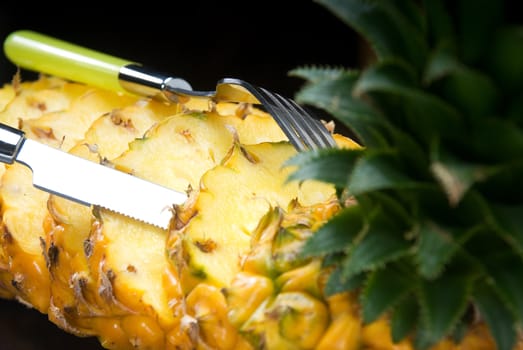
(225,276)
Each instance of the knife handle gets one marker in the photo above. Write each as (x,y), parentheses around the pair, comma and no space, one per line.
(42,53)
(11,140)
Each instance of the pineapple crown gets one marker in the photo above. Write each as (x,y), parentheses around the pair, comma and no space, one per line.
(435,239)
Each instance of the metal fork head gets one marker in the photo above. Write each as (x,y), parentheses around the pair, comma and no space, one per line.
(302,129)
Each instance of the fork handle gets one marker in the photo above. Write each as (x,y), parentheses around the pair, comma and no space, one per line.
(38,52)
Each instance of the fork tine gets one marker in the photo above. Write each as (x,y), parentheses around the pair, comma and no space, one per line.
(281,110)
(319,132)
(301,128)
(281,115)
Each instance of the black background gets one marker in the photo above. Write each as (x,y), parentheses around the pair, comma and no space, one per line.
(202,42)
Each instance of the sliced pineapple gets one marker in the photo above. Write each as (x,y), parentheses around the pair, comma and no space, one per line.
(96,283)
(230,202)
(40,109)
(97,273)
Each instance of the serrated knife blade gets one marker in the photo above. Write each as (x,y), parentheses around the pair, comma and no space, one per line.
(89,183)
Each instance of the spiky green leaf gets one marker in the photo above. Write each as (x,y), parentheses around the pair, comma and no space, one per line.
(441,63)
(404,318)
(509,220)
(409,107)
(472,92)
(337,283)
(337,234)
(498,317)
(330,165)
(382,291)
(456,176)
(506,272)
(335,97)
(381,243)
(316,74)
(506,146)
(390,207)
(376,171)
(443,301)
(414,157)
(436,247)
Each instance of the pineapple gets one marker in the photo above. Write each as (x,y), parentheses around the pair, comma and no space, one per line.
(406,239)
(97,273)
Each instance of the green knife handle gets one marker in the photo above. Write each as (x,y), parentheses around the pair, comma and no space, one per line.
(41,53)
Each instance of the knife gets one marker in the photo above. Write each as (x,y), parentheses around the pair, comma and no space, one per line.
(88,183)
(41,53)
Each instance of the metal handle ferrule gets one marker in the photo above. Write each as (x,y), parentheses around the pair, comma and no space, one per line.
(146,82)
(11,140)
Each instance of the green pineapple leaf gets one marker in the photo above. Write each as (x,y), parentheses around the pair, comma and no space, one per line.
(456,176)
(481,143)
(436,247)
(315,74)
(383,290)
(376,171)
(312,165)
(380,243)
(506,272)
(510,224)
(443,301)
(337,283)
(404,317)
(327,239)
(472,92)
(409,107)
(498,317)
(335,97)
(413,156)
(441,64)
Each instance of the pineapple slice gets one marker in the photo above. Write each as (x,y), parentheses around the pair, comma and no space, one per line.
(30,100)
(178,151)
(7,94)
(215,229)
(249,123)
(40,109)
(69,224)
(23,211)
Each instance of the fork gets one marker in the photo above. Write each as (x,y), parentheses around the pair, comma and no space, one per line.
(39,52)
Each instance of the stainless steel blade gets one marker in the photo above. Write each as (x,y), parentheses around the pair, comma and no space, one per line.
(89,183)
